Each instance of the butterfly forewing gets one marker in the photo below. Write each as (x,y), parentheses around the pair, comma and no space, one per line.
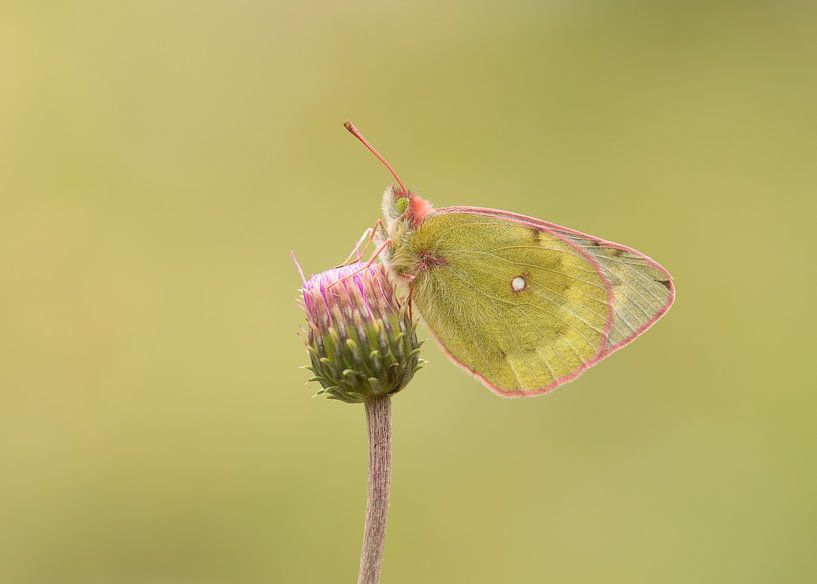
(514,304)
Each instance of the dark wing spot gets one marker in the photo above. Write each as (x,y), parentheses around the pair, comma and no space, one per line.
(537,235)
(617,252)
(427,260)
(665,283)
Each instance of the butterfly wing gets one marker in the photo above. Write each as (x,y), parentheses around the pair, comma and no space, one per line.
(527,305)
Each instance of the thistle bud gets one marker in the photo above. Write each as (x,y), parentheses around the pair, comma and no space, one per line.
(361,341)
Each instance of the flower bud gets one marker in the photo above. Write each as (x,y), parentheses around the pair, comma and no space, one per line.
(361,342)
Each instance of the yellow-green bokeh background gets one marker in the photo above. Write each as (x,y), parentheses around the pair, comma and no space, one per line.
(158,161)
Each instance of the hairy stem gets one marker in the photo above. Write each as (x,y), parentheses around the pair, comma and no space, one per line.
(378,420)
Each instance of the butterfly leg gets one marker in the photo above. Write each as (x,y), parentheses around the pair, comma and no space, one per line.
(372,233)
(361,247)
(379,250)
(356,252)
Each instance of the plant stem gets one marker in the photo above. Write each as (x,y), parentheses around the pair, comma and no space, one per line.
(378,420)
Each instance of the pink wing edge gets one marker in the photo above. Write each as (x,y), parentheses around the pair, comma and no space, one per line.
(603,352)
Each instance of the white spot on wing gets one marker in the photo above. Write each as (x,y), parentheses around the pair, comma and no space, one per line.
(518,284)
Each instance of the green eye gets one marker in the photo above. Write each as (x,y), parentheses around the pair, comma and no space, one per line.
(402,204)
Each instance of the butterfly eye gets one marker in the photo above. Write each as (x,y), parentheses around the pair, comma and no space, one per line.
(402,204)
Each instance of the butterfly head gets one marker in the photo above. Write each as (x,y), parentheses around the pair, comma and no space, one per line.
(405,206)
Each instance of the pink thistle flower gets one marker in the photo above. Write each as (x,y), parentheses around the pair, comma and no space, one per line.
(360,339)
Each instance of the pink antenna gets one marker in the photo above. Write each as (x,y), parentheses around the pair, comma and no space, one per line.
(356,133)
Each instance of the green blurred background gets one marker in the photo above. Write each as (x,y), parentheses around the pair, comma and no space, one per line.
(158,161)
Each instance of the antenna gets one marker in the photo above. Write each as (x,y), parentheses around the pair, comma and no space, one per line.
(356,133)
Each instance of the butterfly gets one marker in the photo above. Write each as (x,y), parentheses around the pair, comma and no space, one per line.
(522,304)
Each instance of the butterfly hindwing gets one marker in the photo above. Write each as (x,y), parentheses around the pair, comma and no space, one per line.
(525,305)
